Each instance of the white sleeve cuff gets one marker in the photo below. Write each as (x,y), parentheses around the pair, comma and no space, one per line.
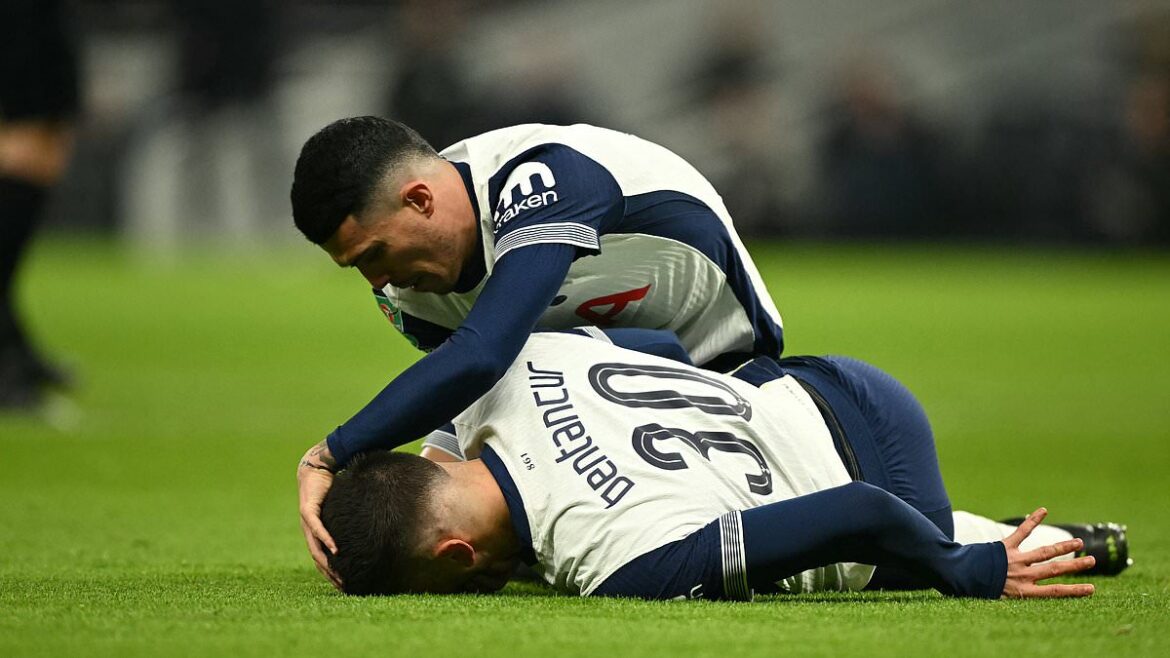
(578,235)
(445,441)
(735,585)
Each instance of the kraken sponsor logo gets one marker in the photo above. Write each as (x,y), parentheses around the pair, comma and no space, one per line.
(521,181)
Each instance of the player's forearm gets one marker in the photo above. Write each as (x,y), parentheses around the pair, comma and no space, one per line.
(861,523)
(445,382)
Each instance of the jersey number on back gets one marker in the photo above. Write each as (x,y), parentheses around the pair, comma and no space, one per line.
(725,402)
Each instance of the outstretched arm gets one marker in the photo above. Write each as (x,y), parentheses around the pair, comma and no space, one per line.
(751,551)
(861,523)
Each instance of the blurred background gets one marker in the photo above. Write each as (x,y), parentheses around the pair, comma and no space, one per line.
(973,195)
(1041,121)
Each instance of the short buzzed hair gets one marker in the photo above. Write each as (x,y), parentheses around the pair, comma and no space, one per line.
(376,512)
(339,168)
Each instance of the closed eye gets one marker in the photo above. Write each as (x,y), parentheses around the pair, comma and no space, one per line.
(373,252)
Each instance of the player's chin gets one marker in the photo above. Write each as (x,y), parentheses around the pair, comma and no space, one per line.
(431,284)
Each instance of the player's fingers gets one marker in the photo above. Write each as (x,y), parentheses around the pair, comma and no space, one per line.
(1053,550)
(320,559)
(331,575)
(1064,567)
(1059,591)
(1025,529)
(316,546)
(316,549)
(318,553)
(319,532)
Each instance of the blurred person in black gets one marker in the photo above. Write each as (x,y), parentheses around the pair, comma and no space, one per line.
(227,55)
(733,81)
(431,92)
(226,50)
(38,99)
(1128,196)
(881,163)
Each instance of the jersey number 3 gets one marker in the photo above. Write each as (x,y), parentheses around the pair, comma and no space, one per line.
(725,402)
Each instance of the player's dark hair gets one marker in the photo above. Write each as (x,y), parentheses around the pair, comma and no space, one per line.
(339,168)
(375,512)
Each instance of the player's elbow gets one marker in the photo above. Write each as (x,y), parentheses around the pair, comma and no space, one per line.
(878,508)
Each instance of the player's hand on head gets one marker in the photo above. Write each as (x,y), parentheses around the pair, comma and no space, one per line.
(1027,568)
(314,477)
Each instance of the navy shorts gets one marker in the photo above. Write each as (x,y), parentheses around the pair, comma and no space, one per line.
(886,428)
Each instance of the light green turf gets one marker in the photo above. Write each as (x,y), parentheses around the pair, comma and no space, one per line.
(157,517)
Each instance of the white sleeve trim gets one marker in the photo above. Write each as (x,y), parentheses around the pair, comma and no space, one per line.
(735,585)
(445,441)
(578,235)
(594,332)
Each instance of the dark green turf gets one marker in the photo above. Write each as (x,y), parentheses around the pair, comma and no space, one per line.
(157,516)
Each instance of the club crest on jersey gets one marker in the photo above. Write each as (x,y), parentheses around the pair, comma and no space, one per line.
(392,312)
(394,315)
(520,181)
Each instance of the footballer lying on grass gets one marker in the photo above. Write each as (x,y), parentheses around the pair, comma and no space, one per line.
(616,473)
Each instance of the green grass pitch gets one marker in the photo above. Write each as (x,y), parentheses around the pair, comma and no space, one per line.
(158,516)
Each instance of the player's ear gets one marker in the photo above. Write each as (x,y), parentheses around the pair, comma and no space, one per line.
(418,195)
(457,551)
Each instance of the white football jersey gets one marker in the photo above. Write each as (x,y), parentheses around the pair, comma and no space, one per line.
(616,453)
(644,263)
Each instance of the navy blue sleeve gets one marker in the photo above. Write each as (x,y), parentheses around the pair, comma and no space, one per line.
(445,382)
(553,194)
(748,551)
(859,522)
(658,342)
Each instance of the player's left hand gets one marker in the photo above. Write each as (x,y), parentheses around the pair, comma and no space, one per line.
(1025,570)
(314,477)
